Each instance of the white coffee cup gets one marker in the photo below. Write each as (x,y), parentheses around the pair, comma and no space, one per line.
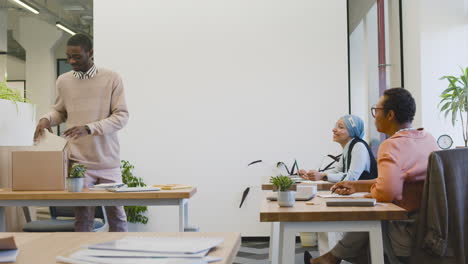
(307,189)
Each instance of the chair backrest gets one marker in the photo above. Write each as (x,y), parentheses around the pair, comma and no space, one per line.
(440,226)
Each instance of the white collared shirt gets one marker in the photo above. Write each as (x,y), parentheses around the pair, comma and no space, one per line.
(360,162)
(86,75)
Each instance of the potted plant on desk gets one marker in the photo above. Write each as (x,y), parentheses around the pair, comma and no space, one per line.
(75,180)
(285,196)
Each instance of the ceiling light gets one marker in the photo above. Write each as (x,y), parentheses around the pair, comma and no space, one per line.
(28,7)
(64,28)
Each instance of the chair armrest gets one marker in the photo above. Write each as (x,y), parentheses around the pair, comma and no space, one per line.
(27,214)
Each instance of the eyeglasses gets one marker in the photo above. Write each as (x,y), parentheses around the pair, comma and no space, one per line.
(374,110)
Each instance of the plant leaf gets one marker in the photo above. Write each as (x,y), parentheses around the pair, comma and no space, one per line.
(445,106)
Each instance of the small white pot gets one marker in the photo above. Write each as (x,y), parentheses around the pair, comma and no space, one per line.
(286,199)
(75,184)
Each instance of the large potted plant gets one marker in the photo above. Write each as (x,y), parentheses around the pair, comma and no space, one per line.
(17,118)
(455,101)
(75,180)
(285,195)
(135,214)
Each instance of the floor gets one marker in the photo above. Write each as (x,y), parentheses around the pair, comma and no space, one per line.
(256,252)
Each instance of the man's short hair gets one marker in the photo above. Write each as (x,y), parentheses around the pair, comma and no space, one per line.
(401,102)
(80,40)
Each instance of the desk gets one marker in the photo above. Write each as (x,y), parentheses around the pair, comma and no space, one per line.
(320,186)
(288,221)
(97,198)
(43,248)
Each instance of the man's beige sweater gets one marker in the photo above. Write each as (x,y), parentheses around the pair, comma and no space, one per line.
(98,102)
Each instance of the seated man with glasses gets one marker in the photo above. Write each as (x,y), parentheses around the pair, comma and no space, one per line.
(402,164)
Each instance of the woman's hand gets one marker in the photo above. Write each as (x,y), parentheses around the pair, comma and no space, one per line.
(302,174)
(344,188)
(314,175)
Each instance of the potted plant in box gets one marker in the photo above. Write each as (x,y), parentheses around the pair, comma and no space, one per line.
(17,118)
(455,101)
(75,180)
(285,196)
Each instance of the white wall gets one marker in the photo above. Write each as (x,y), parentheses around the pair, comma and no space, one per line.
(435,44)
(15,68)
(212,85)
(38,39)
(363,46)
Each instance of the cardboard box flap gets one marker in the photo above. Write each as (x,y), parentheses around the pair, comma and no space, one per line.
(7,242)
(49,142)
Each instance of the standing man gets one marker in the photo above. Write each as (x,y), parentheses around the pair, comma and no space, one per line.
(91,101)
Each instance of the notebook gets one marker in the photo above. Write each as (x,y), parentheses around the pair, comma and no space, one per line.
(172,186)
(351,202)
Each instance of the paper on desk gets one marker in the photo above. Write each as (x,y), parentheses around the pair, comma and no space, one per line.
(114,260)
(210,259)
(335,195)
(8,255)
(135,254)
(85,254)
(315,182)
(161,244)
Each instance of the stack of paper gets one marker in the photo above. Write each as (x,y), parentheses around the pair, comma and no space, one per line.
(142,250)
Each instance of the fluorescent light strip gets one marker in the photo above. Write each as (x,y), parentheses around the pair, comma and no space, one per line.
(28,7)
(62,27)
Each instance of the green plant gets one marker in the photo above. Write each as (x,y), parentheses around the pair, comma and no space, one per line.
(135,214)
(77,171)
(11,94)
(455,101)
(282,183)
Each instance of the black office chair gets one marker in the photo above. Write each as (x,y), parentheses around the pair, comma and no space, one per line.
(56,224)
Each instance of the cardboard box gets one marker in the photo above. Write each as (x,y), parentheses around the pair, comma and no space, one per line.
(42,167)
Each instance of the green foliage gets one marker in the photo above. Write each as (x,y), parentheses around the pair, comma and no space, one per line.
(11,94)
(77,171)
(135,214)
(282,183)
(454,100)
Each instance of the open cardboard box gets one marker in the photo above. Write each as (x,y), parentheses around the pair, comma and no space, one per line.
(42,167)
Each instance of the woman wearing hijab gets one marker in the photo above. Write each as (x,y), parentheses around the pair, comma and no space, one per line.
(356,162)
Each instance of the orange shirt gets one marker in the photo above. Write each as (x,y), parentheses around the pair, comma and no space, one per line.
(402,164)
